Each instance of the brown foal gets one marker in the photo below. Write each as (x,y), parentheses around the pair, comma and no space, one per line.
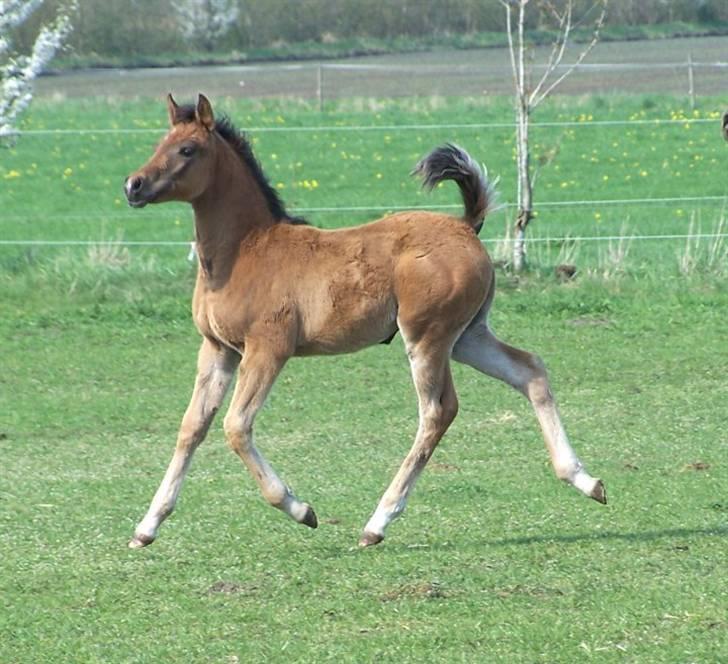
(269,288)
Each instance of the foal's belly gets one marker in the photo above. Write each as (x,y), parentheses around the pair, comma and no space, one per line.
(348,329)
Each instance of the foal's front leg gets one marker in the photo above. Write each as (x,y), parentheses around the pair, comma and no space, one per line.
(215,368)
(258,372)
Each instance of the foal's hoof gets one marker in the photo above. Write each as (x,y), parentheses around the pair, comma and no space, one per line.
(369,539)
(140,541)
(309,519)
(599,493)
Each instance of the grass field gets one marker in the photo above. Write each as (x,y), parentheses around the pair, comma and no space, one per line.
(494,560)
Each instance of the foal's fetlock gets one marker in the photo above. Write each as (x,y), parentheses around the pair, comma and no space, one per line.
(140,540)
(368,538)
(590,486)
(297,510)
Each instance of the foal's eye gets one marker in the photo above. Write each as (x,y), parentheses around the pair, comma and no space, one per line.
(187,150)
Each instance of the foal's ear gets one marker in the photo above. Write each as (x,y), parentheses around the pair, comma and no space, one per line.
(725,125)
(172,110)
(203,113)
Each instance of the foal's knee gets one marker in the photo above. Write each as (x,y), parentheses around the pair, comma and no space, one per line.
(237,432)
(449,404)
(439,415)
(535,383)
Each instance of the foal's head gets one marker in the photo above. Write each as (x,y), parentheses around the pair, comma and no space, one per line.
(181,167)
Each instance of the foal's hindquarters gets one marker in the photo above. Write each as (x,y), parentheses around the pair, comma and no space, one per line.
(473,344)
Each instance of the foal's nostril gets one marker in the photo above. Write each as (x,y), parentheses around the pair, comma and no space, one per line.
(135,184)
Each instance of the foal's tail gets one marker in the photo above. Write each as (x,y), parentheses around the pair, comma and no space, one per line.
(450,162)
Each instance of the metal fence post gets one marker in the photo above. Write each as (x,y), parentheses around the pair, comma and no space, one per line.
(691,81)
(320,88)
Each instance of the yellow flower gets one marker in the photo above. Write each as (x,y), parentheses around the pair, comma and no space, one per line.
(12,174)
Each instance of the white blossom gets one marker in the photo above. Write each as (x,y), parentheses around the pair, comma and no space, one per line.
(206,20)
(18,71)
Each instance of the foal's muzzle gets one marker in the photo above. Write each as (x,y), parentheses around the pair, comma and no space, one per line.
(135,190)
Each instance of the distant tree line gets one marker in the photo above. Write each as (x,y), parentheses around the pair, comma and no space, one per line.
(129,28)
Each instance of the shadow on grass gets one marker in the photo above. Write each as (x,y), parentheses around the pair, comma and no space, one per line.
(646,536)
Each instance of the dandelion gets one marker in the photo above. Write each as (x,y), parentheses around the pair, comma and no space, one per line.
(12,174)
(67,173)
(605,178)
(597,215)
(379,176)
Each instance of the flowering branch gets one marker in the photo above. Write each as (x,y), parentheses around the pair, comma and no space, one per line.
(17,72)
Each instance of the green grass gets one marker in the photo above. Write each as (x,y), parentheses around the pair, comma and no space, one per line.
(494,559)
(81,175)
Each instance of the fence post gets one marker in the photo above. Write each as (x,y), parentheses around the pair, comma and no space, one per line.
(320,88)
(691,81)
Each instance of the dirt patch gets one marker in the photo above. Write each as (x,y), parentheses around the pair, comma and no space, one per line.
(697,465)
(529,591)
(444,467)
(427,590)
(229,588)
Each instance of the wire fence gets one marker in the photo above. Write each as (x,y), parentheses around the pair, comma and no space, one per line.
(489,240)
(325,81)
(374,127)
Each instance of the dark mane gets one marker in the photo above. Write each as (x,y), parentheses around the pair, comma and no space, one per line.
(237,141)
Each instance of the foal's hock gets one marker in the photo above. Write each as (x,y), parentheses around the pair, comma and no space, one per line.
(269,288)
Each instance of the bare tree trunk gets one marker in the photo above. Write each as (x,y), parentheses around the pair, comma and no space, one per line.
(525,186)
(528,97)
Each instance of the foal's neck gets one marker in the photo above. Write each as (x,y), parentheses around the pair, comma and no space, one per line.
(228,211)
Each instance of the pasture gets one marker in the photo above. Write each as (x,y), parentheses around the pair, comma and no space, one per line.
(493,560)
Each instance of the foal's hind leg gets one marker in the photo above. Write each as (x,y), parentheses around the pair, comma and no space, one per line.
(215,367)
(438,407)
(524,371)
(258,371)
